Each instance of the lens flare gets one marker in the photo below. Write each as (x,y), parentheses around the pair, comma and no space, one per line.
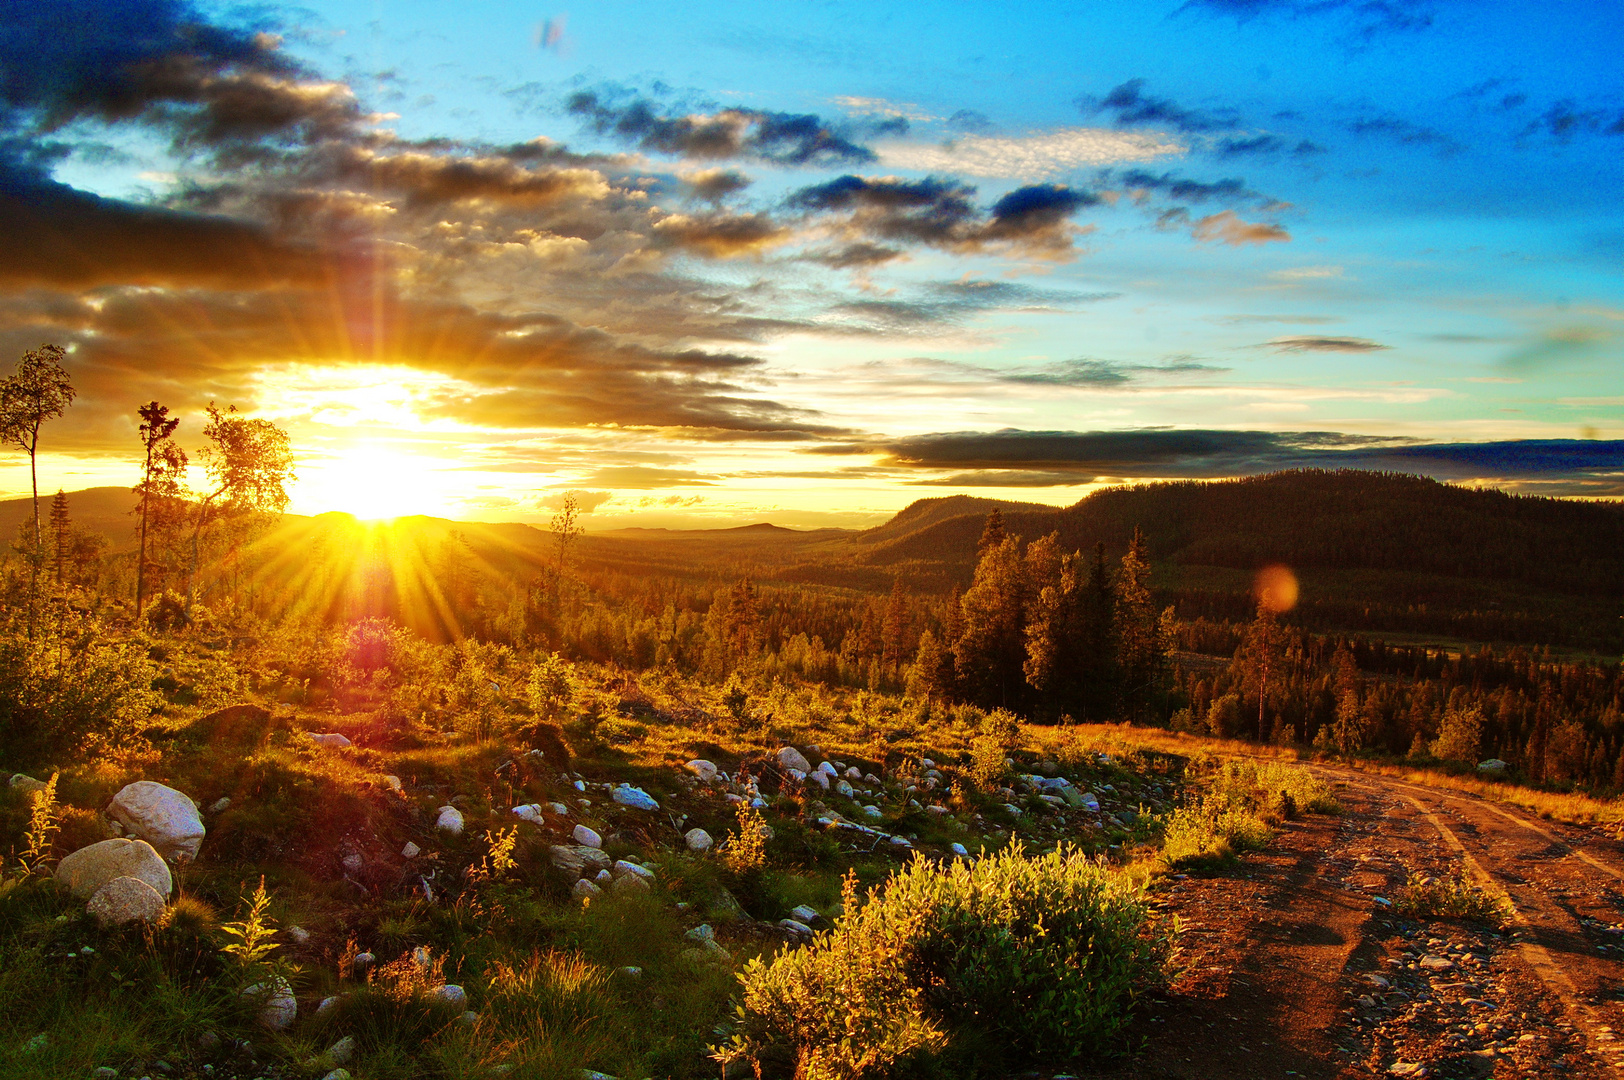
(1276,588)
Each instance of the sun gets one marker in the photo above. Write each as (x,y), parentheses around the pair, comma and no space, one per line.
(375,483)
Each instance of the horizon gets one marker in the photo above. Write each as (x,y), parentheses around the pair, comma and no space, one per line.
(709,269)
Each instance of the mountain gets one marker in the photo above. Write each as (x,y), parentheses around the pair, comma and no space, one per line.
(106,510)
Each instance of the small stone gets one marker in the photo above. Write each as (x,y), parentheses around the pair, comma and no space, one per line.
(583,888)
(1493,767)
(353,864)
(451,994)
(220,805)
(450,820)
(410,851)
(698,840)
(625,867)
(1406,1068)
(104,1073)
(299,934)
(587,837)
(558,808)
(394,784)
(575,859)
(530,812)
(26,784)
(636,798)
(327,1004)
(337,1074)
(791,758)
(705,770)
(702,932)
(1436,963)
(1378,981)
(795,926)
(958,849)
(364,960)
(469,1017)
(332,740)
(804,913)
(819,778)
(632,972)
(827,768)
(36,1044)
(845,788)
(125,900)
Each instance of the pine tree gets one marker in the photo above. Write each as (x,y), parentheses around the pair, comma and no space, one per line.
(1262,657)
(1141,633)
(992,533)
(990,652)
(894,632)
(160,491)
(61,532)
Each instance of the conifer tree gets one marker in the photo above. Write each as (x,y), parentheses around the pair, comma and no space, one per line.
(1141,633)
(61,533)
(160,490)
(894,630)
(990,653)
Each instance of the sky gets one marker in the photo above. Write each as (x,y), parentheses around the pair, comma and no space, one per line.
(717,263)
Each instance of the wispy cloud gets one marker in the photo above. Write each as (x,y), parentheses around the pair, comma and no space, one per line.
(1315,343)
(1028,157)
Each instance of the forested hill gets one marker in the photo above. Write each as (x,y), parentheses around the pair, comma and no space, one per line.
(1344,520)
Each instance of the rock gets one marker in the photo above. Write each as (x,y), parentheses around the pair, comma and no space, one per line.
(410,851)
(363,960)
(299,934)
(279,1008)
(845,788)
(795,926)
(1378,981)
(804,913)
(558,808)
(791,758)
(354,864)
(701,933)
(328,1004)
(1493,767)
(703,769)
(37,1043)
(450,993)
(631,972)
(625,868)
(332,740)
(27,785)
(125,900)
(469,1017)
(636,798)
(959,850)
(1406,1068)
(341,1052)
(797,775)
(827,768)
(854,773)
(629,883)
(450,820)
(1436,963)
(1090,803)
(584,888)
(220,805)
(394,784)
(587,837)
(530,812)
(574,858)
(105,1072)
(819,778)
(89,868)
(698,840)
(162,816)
(337,1074)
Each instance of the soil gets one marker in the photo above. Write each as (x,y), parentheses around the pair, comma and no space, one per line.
(1296,962)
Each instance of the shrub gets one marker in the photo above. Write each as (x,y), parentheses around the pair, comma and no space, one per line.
(1009,954)
(1454,897)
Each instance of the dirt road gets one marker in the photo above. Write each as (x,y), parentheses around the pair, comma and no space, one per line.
(1295,963)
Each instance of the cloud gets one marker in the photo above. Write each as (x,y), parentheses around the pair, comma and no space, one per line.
(643,477)
(1565,119)
(1233,189)
(1229,228)
(1314,343)
(722,236)
(585,501)
(1013,457)
(1367,18)
(713,185)
(1399,130)
(1130,106)
(774,137)
(1029,157)
(1033,221)
(1104,374)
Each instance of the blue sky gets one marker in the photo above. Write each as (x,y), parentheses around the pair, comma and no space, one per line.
(715,263)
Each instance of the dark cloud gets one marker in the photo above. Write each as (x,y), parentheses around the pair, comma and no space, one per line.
(944,304)
(1130,106)
(1033,220)
(1104,374)
(1403,132)
(1227,227)
(1316,343)
(714,186)
(721,235)
(1367,18)
(1243,146)
(970,122)
(1564,120)
(1182,189)
(779,138)
(1032,458)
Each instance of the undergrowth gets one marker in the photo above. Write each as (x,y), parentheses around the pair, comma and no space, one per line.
(1452,896)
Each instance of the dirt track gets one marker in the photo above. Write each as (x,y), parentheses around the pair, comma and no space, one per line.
(1286,955)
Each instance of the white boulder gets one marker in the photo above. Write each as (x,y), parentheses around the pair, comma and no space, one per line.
(587,837)
(278,1007)
(791,758)
(410,851)
(626,868)
(125,900)
(636,798)
(89,868)
(332,740)
(450,820)
(162,816)
(450,993)
(584,888)
(24,783)
(820,778)
(575,858)
(703,769)
(698,840)
(530,812)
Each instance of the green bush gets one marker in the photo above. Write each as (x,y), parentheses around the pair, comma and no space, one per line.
(1027,957)
(1453,897)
